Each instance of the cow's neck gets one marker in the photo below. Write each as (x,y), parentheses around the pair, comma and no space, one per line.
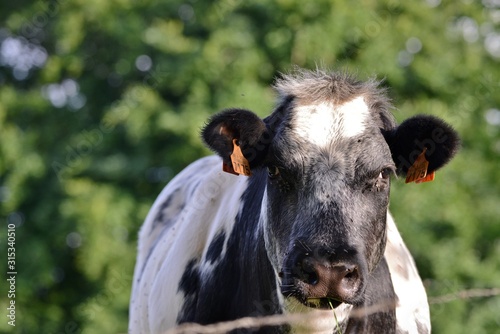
(243,280)
(247,240)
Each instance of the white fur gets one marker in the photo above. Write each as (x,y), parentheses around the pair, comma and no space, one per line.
(412,305)
(354,114)
(324,123)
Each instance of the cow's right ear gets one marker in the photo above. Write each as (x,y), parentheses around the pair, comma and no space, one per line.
(250,132)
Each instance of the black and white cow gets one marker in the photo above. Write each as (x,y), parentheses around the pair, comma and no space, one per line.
(308,230)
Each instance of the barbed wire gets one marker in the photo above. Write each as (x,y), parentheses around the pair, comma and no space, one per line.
(464,294)
(296,318)
(272,320)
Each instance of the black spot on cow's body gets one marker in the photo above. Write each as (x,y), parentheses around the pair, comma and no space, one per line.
(190,280)
(194,188)
(160,214)
(422,328)
(216,246)
(190,286)
(169,210)
(148,256)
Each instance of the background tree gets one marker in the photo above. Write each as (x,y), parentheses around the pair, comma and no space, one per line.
(101,103)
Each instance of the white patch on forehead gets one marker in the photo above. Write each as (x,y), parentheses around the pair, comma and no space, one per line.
(323,123)
(354,114)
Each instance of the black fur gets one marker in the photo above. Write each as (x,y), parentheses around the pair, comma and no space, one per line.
(379,293)
(216,246)
(240,124)
(408,140)
(190,286)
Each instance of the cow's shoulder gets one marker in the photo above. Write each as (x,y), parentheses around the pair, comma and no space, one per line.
(412,311)
(183,234)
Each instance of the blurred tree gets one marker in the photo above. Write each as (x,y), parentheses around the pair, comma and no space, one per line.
(101,103)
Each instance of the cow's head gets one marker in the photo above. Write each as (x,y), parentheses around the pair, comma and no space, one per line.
(328,149)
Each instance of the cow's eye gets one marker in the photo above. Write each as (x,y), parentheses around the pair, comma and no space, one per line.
(273,172)
(385,173)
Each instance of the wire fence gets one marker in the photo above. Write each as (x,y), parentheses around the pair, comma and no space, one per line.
(297,318)
(465,294)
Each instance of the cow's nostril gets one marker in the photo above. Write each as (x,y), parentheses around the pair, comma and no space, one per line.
(311,278)
(351,272)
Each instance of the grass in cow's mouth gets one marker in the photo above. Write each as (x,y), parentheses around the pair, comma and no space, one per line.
(327,304)
(334,315)
(322,303)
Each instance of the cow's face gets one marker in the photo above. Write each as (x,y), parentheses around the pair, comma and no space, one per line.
(329,170)
(328,151)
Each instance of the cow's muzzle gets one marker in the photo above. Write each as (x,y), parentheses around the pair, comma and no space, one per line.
(322,278)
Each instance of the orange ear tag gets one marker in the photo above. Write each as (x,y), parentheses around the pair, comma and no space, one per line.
(428,178)
(240,165)
(418,171)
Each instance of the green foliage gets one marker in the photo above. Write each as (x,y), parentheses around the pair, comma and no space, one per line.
(109,106)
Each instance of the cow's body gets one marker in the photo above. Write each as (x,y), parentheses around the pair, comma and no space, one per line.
(217,247)
(185,226)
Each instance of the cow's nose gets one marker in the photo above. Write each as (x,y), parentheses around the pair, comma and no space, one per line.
(328,279)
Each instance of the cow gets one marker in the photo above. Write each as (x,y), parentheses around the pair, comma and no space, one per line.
(291,216)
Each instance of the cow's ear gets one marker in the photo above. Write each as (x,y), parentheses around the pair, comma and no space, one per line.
(422,132)
(250,132)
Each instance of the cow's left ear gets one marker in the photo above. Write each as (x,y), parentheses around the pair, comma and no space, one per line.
(249,131)
(422,132)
